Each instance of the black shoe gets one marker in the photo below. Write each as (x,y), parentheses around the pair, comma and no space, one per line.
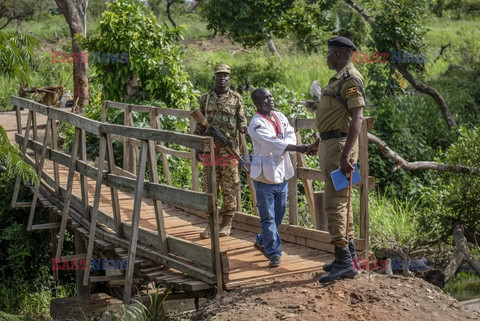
(351,247)
(275,262)
(342,267)
(260,248)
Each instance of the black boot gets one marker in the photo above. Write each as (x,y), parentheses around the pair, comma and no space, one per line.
(353,254)
(342,267)
(351,247)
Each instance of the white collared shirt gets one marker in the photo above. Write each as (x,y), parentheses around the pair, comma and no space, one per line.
(269,156)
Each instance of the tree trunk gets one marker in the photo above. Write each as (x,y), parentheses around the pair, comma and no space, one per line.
(272,48)
(74,12)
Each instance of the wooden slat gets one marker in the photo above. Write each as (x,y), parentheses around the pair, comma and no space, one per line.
(46,226)
(307,184)
(165,136)
(58,114)
(310,173)
(24,145)
(293,194)
(364,170)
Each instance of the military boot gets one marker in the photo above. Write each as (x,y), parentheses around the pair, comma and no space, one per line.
(351,247)
(353,253)
(342,268)
(226,226)
(206,234)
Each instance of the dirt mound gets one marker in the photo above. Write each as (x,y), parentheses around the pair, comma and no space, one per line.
(369,296)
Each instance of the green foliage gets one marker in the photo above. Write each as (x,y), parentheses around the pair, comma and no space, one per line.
(16,55)
(11,163)
(413,127)
(463,286)
(459,194)
(151,312)
(252,22)
(153,55)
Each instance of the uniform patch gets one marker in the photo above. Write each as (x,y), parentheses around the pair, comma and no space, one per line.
(351,90)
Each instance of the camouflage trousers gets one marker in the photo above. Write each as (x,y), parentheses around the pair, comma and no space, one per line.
(227,180)
(329,153)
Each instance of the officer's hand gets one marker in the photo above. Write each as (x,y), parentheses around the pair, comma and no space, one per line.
(312,148)
(243,130)
(198,155)
(346,165)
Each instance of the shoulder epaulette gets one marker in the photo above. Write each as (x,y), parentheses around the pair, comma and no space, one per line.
(338,96)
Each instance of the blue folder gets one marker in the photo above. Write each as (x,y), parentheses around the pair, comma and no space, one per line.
(340,180)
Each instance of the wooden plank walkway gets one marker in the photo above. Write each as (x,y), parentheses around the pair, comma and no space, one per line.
(246,264)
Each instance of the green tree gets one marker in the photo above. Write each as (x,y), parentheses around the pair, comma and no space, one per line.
(148,58)
(16,55)
(253,22)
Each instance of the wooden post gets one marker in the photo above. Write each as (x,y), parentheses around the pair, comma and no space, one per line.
(157,205)
(244,151)
(126,141)
(320,214)
(68,196)
(16,188)
(96,203)
(113,192)
(215,240)
(83,291)
(307,184)
(364,171)
(83,178)
(56,173)
(132,249)
(292,194)
(155,123)
(194,158)
(39,174)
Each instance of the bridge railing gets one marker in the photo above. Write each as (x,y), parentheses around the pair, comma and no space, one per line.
(195,260)
(317,237)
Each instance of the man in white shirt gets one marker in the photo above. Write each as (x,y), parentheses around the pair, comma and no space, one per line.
(272,137)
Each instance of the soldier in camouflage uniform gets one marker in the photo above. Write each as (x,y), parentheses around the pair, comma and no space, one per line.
(223,107)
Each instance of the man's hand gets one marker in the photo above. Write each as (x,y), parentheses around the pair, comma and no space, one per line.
(198,155)
(310,104)
(346,165)
(312,148)
(243,130)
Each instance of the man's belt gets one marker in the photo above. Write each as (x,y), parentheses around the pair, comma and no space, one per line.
(330,135)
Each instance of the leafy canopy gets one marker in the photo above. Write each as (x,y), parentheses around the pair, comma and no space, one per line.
(153,55)
(16,55)
(252,22)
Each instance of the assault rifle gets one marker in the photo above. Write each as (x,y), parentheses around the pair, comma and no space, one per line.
(218,135)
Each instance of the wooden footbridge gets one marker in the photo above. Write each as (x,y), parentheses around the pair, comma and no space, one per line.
(122,211)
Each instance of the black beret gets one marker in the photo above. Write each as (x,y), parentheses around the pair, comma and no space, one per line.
(341,42)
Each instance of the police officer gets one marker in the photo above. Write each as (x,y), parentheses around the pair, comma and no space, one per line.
(223,107)
(339,116)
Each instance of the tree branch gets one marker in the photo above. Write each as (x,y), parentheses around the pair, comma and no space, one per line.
(462,246)
(418,85)
(423,165)
(169,3)
(359,10)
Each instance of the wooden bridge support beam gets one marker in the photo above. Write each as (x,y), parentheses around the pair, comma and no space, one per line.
(68,197)
(132,249)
